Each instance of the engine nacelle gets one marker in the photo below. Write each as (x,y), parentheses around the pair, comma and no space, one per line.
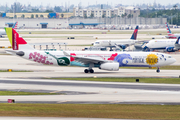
(123,46)
(114,66)
(170,49)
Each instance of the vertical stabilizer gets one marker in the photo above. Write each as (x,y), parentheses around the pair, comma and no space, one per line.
(134,35)
(168,29)
(15,25)
(178,41)
(14,38)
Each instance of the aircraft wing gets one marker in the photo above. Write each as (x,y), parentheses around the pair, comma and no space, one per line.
(86,60)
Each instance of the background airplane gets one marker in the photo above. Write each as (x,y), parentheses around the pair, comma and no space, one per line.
(170,45)
(123,43)
(105,60)
(170,35)
(3,32)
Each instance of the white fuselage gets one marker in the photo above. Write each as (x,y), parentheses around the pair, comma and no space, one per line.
(2,32)
(161,43)
(173,36)
(111,43)
(136,59)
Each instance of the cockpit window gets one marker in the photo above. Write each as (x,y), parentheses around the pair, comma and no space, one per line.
(96,42)
(169,57)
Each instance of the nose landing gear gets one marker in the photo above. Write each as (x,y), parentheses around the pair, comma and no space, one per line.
(158,70)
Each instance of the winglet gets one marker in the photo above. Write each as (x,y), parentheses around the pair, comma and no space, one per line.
(134,35)
(14,38)
(66,54)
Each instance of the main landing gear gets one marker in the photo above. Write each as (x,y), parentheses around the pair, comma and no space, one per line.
(158,70)
(90,69)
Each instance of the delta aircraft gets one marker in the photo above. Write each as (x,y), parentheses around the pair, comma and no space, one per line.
(118,43)
(104,60)
(3,32)
(170,35)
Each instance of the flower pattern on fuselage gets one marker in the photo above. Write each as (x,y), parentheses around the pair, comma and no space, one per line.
(37,57)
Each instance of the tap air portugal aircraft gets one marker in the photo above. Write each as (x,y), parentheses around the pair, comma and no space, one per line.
(123,43)
(170,35)
(3,32)
(105,60)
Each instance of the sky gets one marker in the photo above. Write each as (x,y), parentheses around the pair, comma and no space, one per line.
(86,2)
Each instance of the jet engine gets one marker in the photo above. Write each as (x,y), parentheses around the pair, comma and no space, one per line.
(170,49)
(114,66)
(123,46)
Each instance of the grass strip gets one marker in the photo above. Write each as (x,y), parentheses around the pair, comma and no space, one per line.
(24,93)
(141,80)
(121,111)
(15,71)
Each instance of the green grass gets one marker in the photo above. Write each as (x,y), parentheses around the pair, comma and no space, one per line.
(141,80)
(16,71)
(23,93)
(121,111)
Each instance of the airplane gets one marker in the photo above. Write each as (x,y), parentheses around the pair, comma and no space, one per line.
(3,32)
(104,60)
(117,43)
(170,45)
(170,35)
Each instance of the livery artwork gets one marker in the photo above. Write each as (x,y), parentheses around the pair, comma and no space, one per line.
(63,61)
(152,59)
(123,59)
(37,57)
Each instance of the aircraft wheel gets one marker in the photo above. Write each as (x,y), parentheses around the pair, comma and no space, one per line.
(86,70)
(158,70)
(91,71)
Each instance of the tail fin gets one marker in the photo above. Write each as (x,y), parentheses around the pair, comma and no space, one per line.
(15,40)
(168,29)
(15,25)
(134,35)
(178,41)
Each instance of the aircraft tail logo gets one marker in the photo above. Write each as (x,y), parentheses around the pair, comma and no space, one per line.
(14,38)
(15,25)
(178,41)
(134,35)
(168,29)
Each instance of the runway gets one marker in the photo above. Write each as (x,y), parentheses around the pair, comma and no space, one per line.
(85,92)
(78,91)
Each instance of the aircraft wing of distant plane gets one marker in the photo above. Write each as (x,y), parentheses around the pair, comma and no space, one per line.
(86,60)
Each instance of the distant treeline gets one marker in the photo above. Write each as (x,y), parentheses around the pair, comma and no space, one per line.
(173,16)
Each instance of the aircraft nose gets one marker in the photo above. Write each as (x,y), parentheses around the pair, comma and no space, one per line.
(173,60)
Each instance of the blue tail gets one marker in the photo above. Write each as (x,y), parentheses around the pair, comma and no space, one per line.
(178,41)
(15,25)
(134,35)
